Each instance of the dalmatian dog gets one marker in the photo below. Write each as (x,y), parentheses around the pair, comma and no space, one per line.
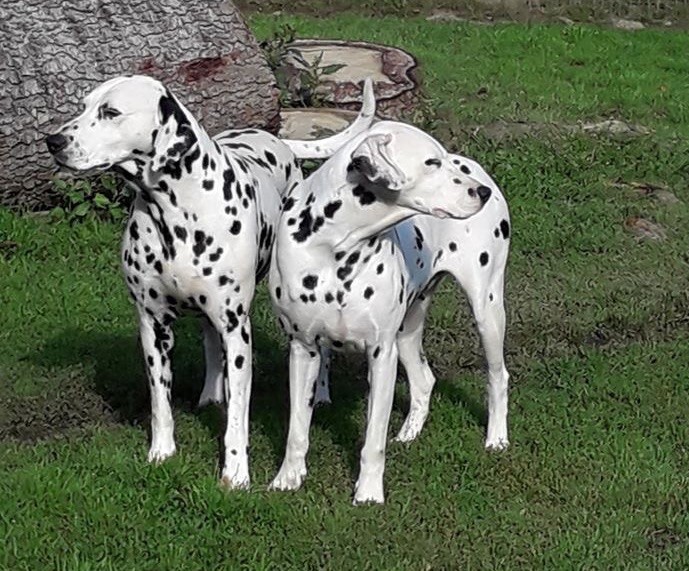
(361,245)
(199,235)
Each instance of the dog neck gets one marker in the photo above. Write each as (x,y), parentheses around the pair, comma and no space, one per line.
(172,195)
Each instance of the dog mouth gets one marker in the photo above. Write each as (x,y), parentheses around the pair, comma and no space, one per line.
(64,165)
(457,215)
(441,213)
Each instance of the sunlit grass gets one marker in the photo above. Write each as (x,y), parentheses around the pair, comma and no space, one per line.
(598,339)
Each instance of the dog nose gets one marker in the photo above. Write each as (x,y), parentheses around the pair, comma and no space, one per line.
(56,142)
(483,193)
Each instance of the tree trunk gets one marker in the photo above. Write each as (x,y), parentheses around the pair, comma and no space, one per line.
(53,53)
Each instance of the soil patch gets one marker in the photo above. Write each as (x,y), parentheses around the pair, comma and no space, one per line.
(508,130)
(644,229)
(70,406)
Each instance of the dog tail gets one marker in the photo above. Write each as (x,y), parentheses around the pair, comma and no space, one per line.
(324,148)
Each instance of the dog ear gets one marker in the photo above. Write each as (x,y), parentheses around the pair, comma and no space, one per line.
(373,160)
(175,135)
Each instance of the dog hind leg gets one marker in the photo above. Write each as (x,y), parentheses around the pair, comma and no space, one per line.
(489,311)
(323,382)
(419,374)
(212,392)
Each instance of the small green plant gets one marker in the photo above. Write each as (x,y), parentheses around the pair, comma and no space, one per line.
(276,47)
(310,77)
(103,198)
(296,77)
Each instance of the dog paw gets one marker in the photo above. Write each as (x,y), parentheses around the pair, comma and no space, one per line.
(497,444)
(160,452)
(411,428)
(368,495)
(288,479)
(407,433)
(235,482)
(322,396)
(212,393)
(207,400)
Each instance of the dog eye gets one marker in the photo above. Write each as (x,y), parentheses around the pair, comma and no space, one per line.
(433,162)
(105,112)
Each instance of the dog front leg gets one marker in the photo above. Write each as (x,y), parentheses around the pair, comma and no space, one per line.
(304,364)
(157,341)
(237,384)
(382,372)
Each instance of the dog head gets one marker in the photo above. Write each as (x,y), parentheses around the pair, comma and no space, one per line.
(125,118)
(406,166)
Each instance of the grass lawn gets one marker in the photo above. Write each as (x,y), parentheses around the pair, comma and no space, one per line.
(598,345)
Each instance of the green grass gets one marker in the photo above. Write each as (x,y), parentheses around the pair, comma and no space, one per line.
(598,340)
(547,73)
(675,11)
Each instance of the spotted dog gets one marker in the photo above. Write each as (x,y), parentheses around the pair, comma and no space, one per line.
(353,268)
(199,235)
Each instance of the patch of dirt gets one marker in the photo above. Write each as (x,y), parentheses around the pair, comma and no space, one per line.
(445,16)
(629,25)
(656,192)
(663,538)
(616,331)
(8,248)
(500,131)
(310,123)
(70,406)
(644,229)
(613,127)
(508,130)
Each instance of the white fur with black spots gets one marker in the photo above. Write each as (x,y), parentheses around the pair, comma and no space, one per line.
(199,235)
(354,266)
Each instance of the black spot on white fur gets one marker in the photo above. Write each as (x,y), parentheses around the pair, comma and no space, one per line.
(310,281)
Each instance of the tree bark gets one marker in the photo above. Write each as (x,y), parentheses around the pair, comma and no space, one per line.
(55,52)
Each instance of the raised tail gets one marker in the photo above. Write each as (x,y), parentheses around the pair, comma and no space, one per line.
(324,148)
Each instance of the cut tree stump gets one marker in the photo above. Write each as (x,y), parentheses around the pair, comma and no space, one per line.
(314,123)
(53,53)
(393,71)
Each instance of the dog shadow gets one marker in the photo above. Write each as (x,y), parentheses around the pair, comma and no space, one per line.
(462,397)
(119,378)
(117,374)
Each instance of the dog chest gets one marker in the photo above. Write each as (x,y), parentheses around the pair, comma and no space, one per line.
(354,298)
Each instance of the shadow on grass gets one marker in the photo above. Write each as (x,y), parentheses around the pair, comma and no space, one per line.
(461,397)
(113,374)
(113,378)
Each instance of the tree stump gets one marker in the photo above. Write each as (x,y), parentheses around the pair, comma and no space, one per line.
(55,52)
(393,71)
(314,123)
